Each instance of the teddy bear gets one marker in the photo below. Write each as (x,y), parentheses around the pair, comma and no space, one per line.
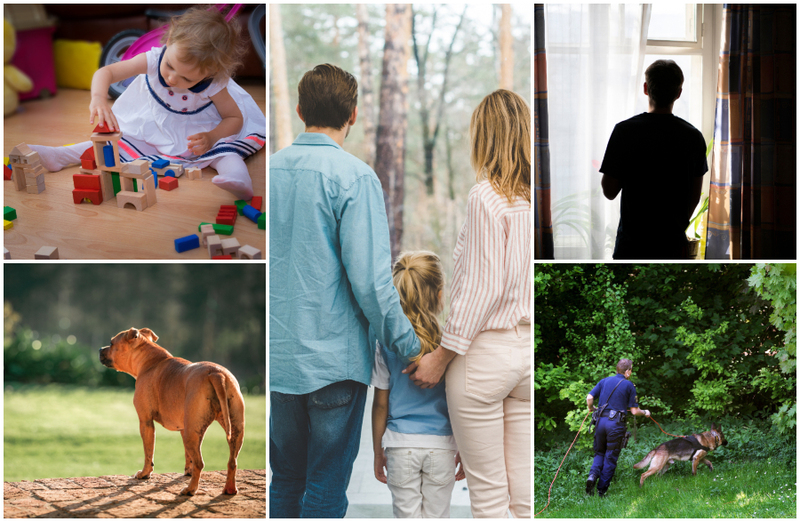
(14,80)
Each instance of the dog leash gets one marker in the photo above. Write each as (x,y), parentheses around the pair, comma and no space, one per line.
(562,463)
(662,429)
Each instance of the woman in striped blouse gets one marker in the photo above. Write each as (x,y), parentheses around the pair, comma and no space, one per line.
(485,352)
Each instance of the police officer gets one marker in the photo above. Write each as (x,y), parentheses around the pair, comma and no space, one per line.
(616,395)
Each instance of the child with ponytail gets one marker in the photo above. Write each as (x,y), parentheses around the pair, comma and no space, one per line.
(411,432)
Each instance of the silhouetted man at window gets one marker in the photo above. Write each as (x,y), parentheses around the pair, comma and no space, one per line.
(657,160)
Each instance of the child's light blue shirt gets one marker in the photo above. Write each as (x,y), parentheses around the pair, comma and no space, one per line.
(330,269)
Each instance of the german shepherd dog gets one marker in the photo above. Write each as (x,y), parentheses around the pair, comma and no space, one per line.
(693,447)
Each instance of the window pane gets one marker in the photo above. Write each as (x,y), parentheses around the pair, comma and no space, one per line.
(676,22)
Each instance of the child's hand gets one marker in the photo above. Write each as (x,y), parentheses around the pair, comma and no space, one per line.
(460,473)
(100,110)
(199,143)
(380,465)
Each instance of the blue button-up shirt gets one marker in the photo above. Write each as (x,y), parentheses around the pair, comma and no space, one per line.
(330,269)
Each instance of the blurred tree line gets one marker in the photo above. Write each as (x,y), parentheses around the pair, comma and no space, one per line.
(419,82)
(57,317)
(705,340)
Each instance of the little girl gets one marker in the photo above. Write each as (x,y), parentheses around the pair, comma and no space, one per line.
(411,432)
(183,105)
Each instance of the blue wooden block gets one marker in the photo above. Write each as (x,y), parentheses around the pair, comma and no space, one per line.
(108,155)
(160,164)
(170,173)
(183,244)
(251,213)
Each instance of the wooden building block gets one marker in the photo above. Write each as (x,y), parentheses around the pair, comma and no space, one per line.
(35,189)
(46,252)
(248,252)
(18,175)
(6,253)
(150,190)
(7,224)
(93,195)
(137,199)
(230,246)
(194,173)
(214,244)
(256,202)
(168,183)
(136,168)
(9,213)
(182,244)
(99,142)
(205,232)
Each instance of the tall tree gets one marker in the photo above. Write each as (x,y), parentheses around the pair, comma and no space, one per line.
(280,83)
(430,130)
(392,121)
(367,104)
(506,49)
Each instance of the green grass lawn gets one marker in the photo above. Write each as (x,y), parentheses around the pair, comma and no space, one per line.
(66,431)
(753,489)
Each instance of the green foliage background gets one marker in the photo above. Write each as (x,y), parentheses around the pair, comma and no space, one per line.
(706,341)
(57,317)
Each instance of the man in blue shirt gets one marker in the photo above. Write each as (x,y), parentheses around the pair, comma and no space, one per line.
(330,280)
(616,395)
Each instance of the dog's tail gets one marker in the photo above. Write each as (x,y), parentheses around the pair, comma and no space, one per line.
(645,461)
(218,380)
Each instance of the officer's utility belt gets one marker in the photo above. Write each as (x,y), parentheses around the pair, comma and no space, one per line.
(614,415)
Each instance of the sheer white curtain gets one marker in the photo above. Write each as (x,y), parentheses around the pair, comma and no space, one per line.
(595,55)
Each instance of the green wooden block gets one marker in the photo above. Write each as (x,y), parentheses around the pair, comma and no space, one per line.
(115,182)
(262,221)
(222,230)
(9,214)
(240,204)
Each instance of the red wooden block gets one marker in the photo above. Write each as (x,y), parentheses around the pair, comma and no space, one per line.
(228,208)
(6,172)
(102,128)
(226,219)
(93,195)
(168,183)
(226,256)
(86,181)
(87,159)
(256,203)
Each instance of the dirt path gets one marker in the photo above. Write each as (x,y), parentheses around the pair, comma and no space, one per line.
(119,496)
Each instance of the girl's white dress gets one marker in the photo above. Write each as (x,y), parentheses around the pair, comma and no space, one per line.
(156,120)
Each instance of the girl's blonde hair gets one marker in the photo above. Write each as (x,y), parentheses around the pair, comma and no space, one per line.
(208,41)
(419,277)
(500,134)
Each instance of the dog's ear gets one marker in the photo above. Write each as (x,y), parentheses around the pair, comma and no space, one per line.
(147,333)
(132,334)
(715,427)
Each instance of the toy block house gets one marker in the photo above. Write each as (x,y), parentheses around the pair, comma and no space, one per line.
(27,170)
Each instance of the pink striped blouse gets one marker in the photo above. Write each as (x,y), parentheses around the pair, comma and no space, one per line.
(491,287)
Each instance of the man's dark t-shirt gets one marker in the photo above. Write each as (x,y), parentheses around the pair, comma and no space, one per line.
(654,157)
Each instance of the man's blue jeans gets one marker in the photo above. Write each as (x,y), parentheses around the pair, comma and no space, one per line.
(607,445)
(313,442)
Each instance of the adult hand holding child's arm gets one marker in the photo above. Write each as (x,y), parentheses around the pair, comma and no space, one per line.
(428,371)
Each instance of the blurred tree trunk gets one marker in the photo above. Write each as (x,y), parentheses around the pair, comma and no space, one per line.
(506,49)
(280,84)
(430,131)
(367,105)
(392,121)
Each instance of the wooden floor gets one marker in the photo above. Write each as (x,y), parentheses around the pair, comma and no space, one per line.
(87,231)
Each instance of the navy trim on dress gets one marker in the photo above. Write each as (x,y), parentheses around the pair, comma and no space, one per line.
(170,109)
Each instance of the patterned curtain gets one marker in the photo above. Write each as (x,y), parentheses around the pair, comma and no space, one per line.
(543,223)
(752,213)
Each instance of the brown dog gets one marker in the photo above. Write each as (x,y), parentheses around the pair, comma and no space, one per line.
(693,447)
(181,396)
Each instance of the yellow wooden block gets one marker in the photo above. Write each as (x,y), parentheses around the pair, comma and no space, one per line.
(7,224)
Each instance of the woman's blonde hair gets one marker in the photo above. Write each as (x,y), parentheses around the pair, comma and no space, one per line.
(419,278)
(208,42)
(500,134)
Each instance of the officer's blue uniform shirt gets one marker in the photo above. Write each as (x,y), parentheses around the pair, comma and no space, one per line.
(623,398)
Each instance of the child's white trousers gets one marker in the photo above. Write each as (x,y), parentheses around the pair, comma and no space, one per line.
(421,481)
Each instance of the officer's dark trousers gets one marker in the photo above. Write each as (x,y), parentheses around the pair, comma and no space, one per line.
(607,445)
